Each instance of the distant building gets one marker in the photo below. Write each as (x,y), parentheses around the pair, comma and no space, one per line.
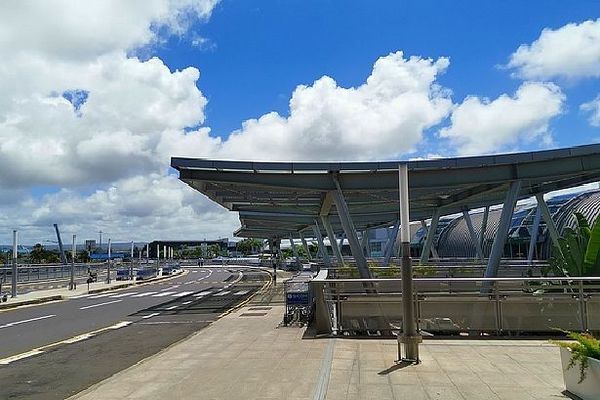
(187,245)
(90,244)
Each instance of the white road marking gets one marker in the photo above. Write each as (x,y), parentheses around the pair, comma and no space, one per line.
(21,356)
(26,320)
(122,295)
(174,286)
(98,296)
(81,296)
(100,304)
(203,293)
(143,294)
(171,308)
(223,293)
(241,292)
(182,294)
(151,315)
(186,302)
(162,294)
(121,324)
(189,283)
(78,338)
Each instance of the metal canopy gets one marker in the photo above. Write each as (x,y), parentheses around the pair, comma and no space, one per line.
(276,199)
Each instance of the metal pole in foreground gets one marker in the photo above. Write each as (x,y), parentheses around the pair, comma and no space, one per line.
(410,337)
(13,287)
(73,252)
(108,265)
(131,264)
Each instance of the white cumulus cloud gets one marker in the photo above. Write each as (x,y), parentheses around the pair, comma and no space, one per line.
(481,126)
(384,117)
(571,51)
(592,108)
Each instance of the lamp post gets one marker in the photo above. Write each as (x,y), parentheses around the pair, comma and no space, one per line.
(73,253)
(108,264)
(13,287)
(131,265)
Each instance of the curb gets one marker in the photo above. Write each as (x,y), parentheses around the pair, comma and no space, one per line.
(40,300)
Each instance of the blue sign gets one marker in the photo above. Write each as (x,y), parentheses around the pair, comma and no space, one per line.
(297,298)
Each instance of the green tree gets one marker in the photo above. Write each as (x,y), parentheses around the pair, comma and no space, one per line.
(578,251)
(248,246)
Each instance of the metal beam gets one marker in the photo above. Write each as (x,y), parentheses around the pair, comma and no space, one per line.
(332,240)
(550,225)
(428,246)
(347,224)
(486,214)
(305,245)
(365,242)
(508,208)
(391,242)
(535,229)
(322,248)
(474,238)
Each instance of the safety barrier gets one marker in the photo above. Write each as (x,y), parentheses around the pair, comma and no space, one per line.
(508,305)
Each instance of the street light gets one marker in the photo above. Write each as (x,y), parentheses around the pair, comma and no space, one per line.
(108,263)
(73,253)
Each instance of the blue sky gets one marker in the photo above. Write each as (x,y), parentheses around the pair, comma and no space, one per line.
(260,51)
(98,98)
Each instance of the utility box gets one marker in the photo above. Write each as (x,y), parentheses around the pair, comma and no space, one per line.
(299,301)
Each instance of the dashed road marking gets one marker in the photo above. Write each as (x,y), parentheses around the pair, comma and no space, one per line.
(100,304)
(223,293)
(241,292)
(186,302)
(122,295)
(171,308)
(26,321)
(182,294)
(151,315)
(21,356)
(143,294)
(162,294)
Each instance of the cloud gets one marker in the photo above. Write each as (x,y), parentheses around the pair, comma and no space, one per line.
(571,51)
(481,126)
(384,117)
(593,109)
(136,208)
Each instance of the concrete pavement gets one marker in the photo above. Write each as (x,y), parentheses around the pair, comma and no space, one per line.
(247,355)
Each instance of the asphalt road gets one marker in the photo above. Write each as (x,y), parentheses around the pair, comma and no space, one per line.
(134,324)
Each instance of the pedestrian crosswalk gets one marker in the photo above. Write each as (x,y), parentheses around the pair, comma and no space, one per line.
(169,292)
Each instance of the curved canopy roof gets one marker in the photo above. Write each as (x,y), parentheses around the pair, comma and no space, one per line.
(276,199)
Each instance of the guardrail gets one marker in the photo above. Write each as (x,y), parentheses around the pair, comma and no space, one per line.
(459,305)
(40,273)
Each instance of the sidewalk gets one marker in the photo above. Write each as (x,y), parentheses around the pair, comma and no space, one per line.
(43,296)
(245,355)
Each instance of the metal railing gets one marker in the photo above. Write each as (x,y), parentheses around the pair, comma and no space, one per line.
(497,306)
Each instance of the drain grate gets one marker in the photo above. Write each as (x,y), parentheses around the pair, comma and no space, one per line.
(253,314)
(260,308)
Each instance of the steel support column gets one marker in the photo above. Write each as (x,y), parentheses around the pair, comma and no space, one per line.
(508,207)
(367,244)
(322,248)
(486,214)
(550,225)
(332,240)
(535,229)
(410,337)
(474,237)
(348,226)
(305,245)
(391,242)
(428,246)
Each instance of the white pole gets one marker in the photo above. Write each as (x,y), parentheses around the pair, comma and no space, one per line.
(73,253)
(13,291)
(108,265)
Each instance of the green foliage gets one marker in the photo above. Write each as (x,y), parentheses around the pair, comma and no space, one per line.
(248,246)
(578,253)
(424,270)
(585,346)
(39,255)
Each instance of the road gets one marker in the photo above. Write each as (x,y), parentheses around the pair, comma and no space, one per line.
(54,350)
